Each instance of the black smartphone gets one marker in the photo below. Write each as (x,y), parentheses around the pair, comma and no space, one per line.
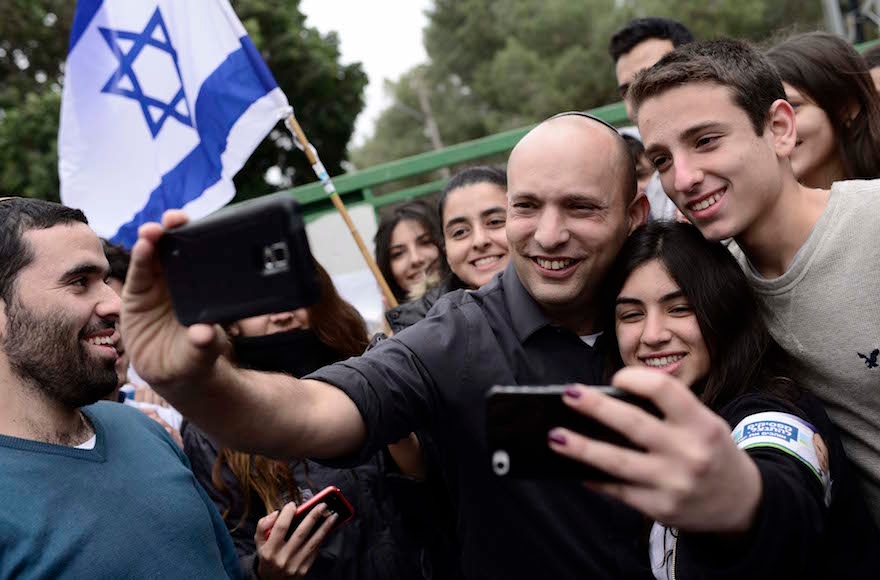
(245,260)
(336,504)
(518,419)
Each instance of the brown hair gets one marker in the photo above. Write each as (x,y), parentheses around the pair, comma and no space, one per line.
(339,326)
(753,82)
(336,322)
(420,212)
(831,74)
(255,474)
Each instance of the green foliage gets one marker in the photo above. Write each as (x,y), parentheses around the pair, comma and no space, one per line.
(35,33)
(500,64)
(33,44)
(755,20)
(327,96)
(28,147)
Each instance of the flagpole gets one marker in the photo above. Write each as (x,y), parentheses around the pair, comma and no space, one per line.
(302,143)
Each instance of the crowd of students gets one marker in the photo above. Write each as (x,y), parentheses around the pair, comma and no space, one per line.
(740,303)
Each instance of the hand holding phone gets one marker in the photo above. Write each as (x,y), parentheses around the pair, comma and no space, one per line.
(288,540)
(520,417)
(164,351)
(244,260)
(688,471)
(277,558)
(334,504)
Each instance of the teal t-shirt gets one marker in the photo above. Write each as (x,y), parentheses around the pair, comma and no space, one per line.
(129,508)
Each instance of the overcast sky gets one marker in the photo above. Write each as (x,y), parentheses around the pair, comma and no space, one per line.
(384,35)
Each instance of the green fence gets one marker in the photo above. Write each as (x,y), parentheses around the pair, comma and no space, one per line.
(357,186)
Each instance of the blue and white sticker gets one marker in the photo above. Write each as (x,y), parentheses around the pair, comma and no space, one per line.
(791,435)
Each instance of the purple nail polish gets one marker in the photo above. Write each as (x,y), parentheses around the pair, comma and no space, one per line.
(572,392)
(556,437)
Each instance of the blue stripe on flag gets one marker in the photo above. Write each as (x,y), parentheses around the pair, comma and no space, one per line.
(238,82)
(85,11)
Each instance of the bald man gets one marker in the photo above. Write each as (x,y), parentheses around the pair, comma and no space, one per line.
(572,203)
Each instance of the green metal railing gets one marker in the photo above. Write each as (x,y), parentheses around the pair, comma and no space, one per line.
(357,186)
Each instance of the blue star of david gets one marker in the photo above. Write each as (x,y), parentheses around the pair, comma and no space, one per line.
(125,70)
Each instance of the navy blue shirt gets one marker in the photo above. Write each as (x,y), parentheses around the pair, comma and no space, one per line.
(434,376)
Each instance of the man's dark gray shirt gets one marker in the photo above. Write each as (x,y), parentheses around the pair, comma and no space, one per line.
(434,376)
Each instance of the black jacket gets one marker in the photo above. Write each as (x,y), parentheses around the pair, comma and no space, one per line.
(373,546)
(409,313)
(795,534)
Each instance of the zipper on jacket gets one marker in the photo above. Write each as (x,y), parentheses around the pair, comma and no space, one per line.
(674,546)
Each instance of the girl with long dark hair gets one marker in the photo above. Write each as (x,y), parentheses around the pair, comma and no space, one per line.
(838,113)
(409,250)
(680,305)
(472,209)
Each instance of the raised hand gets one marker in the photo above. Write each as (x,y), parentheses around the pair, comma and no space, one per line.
(690,475)
(164,352)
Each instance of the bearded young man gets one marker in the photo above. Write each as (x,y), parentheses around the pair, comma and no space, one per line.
(87,489)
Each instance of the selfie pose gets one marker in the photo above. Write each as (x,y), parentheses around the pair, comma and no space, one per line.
(572,200)
(717,126)
(246,487)
(775,498)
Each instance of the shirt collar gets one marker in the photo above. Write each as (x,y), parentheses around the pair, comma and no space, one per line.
(526,316)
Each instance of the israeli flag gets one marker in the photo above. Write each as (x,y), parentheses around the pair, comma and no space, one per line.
(164,101)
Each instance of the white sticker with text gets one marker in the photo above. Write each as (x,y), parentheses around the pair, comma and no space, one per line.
(791,435)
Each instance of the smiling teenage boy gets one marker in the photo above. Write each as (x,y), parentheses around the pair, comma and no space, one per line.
(717,127)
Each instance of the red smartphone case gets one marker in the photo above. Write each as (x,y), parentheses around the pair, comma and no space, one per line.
(336,502)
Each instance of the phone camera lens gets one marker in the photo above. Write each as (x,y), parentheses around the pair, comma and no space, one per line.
(500,462)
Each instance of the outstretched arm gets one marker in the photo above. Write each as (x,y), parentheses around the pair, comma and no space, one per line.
(740,510)
(691,475)
(271,414)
